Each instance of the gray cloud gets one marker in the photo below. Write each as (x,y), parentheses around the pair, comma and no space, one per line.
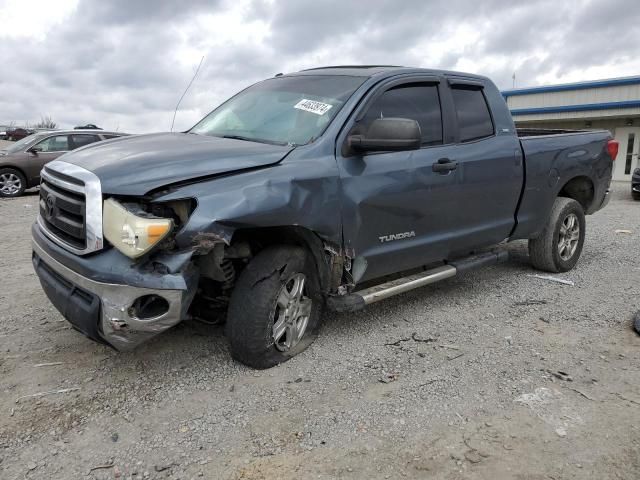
(126,12)
(122,63)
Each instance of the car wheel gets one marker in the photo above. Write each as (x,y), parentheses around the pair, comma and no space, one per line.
(275,311)
(12,183)
(558,247)
(635,195)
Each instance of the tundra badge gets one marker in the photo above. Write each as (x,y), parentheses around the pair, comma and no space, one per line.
(396,236)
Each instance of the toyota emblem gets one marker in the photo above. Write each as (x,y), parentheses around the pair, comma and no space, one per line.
(50,206)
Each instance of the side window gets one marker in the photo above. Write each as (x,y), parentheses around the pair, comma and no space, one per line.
(59,143)
(418,102)
(78,141)
(474,118)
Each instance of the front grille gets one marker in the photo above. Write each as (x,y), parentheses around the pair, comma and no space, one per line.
(70,207)
(63,213)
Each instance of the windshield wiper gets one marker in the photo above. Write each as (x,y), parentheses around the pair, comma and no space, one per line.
(249,139)
(246,139)
(240,137)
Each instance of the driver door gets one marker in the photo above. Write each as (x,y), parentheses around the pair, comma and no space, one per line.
(395,204)
(45,151)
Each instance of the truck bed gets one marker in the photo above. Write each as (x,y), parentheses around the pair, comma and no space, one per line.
(552,158)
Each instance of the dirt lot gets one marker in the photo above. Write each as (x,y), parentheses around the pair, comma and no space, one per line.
(459,380)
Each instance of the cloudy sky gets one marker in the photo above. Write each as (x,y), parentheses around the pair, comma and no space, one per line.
(124,63)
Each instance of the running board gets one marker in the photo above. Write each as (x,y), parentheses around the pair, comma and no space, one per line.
(357,300)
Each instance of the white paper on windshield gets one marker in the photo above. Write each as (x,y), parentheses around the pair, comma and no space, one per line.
(312,106)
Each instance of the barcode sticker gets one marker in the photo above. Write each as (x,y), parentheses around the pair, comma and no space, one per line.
(312,106)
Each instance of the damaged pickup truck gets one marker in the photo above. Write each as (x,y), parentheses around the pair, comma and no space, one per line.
(328,188)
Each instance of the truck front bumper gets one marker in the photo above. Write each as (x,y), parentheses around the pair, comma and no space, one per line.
(102,304)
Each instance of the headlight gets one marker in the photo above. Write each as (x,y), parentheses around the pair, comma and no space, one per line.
(133,235)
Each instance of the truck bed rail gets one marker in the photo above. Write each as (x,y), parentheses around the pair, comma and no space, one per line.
(537,132)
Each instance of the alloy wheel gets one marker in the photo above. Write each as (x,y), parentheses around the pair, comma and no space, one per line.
(10,183)
(569,236)
(291,313)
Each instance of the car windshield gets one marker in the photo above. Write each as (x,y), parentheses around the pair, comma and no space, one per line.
(282,110)
(21,145)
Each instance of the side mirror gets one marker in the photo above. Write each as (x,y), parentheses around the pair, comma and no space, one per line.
(34,150)
(388,135)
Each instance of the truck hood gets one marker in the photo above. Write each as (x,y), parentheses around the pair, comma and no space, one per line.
(138,164)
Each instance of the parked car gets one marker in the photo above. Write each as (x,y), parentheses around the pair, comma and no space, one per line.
(15,134)
(20,163)
(635,184)
(88,126)
(307,191)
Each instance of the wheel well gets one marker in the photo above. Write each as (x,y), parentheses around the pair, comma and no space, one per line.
(580,189)
(260,238)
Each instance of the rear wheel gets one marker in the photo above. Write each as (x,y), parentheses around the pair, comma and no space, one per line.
(276,308)
(558,247)
(635,195)
(12,183)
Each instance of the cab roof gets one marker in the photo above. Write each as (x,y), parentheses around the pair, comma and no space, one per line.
(377,71)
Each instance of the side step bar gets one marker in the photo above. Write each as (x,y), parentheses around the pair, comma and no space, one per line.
(357,300)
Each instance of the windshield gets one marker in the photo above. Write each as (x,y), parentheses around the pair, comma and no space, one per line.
(21,145)
(283,110)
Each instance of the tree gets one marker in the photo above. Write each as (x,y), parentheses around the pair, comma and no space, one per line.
(46,122)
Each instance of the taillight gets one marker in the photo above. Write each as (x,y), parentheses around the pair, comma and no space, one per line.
(612,148)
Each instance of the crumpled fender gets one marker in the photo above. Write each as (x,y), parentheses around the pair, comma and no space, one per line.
(300,191)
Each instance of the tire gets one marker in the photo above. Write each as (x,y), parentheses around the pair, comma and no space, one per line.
(546,251)
(257,306)
(12,183)
(635,195)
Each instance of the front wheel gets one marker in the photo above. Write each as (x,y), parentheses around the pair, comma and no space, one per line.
(275,309)
(635,195)
(558,247)
(12,183)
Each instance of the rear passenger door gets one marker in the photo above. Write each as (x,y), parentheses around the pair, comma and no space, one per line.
(489,172)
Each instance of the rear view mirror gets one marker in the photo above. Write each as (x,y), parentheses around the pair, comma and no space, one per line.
(388,134)
(34,150)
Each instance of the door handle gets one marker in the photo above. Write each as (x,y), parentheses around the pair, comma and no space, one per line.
(444,165)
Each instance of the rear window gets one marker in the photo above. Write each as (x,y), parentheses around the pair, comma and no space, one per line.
(82,140)
(474,119)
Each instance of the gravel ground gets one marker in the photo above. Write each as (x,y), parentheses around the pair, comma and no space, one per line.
(493,374)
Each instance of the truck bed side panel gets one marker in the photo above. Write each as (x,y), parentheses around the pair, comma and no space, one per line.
(551,161)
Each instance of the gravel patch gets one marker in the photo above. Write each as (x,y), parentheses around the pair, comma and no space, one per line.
(492,374)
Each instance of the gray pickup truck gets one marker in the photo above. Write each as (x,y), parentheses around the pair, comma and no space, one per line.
(328,188)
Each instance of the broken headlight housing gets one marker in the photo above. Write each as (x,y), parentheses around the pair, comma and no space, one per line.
(133,232)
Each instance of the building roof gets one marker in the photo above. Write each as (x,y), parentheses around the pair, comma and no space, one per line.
(611,82)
